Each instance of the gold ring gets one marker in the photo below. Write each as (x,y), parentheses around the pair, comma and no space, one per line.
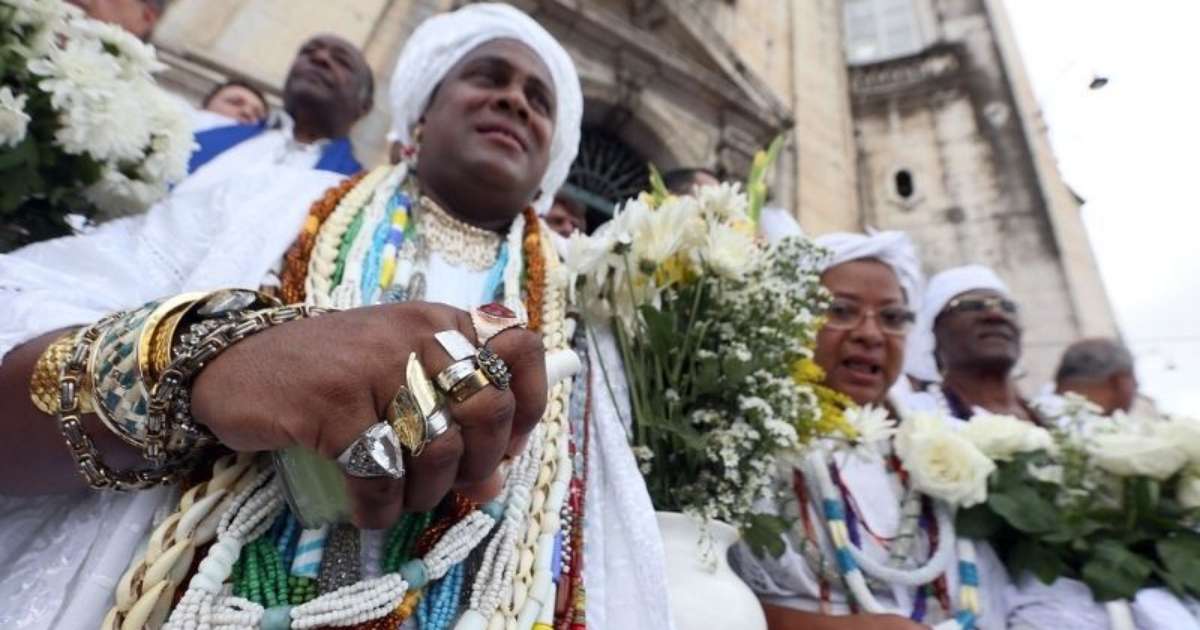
(469,386)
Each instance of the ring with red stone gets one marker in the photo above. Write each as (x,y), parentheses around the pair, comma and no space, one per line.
(492,319)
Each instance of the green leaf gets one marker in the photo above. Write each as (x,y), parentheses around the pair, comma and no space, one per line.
(658,188)
(764,534)
(1180,554)
(1025,509)
(977,522)
(1028,555)
(1114,572)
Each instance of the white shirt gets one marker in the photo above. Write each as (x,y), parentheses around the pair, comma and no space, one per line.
(275,146)
(65,553)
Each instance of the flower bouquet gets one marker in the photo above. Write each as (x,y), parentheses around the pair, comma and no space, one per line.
(1111,502)
(84,129)
(708,320)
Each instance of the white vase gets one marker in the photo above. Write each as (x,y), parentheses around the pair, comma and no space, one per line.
(705,595)
(1120,616)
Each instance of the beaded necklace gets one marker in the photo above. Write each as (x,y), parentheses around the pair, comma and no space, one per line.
(852,562)
(516,583)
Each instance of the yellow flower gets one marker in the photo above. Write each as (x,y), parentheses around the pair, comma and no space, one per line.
(675,270)
(807,371)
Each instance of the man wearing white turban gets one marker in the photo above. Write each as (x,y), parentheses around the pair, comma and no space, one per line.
(450,223)
(875,281)
(966,345)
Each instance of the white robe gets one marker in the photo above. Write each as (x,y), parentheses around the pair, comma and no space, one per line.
(790,582)
(64,554)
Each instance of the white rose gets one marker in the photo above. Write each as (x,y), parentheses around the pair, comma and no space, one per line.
(1001,437)
(1188,490)
(13,120)
(1184,433)
(942,463)
(947,467)
(1132,454)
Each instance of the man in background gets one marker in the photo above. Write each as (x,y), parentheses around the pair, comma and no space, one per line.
(136,16)
(1100,370)
(685,181)
(567,216)
(328,89)
(238,101)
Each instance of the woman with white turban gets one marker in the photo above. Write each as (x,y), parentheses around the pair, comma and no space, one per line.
(911,569)
(476,502)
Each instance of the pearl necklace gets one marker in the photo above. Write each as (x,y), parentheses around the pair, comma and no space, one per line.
(458,242)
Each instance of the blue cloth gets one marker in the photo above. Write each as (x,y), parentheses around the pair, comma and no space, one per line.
(337,156)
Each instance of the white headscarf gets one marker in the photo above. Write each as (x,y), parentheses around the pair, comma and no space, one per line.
(443,40)
(919,358)
(894,249)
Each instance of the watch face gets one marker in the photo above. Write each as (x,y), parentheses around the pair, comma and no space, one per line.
(228,301)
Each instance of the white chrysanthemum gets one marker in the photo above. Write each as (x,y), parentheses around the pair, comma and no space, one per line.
(13,120)
(136,57)
(173,142)
(730,252)
(872,427)
(75,73)
(40,13)
(723,201)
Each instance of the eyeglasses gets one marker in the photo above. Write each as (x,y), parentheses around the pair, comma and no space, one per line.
(892,320)
(980,304)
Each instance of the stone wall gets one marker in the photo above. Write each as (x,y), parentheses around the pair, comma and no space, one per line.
(978,191)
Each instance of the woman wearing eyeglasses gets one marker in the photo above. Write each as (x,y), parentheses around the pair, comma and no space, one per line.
(912,579)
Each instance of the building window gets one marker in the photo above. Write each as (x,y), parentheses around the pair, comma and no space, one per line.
(877,30)
(904,184)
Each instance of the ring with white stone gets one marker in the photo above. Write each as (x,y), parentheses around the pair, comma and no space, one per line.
(375,453)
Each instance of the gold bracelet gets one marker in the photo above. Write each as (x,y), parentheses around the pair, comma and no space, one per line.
(154,342)
(43,384)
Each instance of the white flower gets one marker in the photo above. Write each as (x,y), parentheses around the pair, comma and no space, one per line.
(1188,490)
(722,201)
(730,252)
(1051,473)
(1001,437)
(135,56)
(1184,433)
(872,426)
(586,254)
(13,120)
(941,463)
(1128,454)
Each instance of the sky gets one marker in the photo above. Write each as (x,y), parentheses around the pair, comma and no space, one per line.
(1130,150)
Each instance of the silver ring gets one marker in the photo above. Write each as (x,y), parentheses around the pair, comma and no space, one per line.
(454,374)
(436,424)
(373,454)
(455,344)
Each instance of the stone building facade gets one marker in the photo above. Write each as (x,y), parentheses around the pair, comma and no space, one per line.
(909,114)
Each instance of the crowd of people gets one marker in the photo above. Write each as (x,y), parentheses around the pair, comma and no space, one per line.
(486,117)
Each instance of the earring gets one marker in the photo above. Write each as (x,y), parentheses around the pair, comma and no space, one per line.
(410,151)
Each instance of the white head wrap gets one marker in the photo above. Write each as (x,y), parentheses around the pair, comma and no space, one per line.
(443,40)
(919,358)
(776,224)
(894,249)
